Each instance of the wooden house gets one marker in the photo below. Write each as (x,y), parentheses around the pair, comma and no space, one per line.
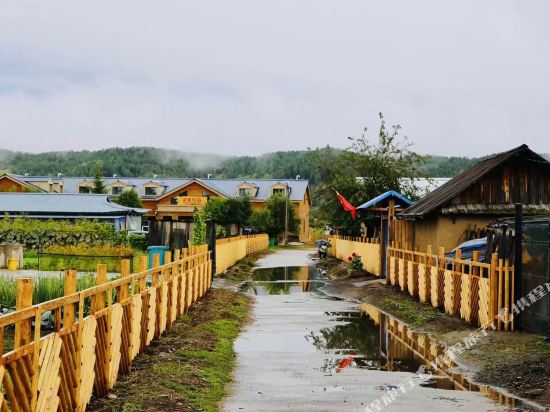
(460,209)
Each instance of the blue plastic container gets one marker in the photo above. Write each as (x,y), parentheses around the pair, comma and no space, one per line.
(156,250)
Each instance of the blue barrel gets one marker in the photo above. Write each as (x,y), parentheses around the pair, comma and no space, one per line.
(156,250)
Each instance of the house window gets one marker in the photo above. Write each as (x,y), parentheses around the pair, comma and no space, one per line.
(83,189)
(174,200)
(116,190)
(279,191)
(150,191)
(246,192)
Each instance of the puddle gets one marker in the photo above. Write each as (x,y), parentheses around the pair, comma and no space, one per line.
(284,281)
(357,338)
(398,344)
(366,339)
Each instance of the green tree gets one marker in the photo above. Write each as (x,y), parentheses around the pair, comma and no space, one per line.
(200,217)
(230,210)
(99,184)
(129,198)
(271,218)
(363,171)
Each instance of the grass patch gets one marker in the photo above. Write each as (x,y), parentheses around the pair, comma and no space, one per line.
(410,311)
(190,367)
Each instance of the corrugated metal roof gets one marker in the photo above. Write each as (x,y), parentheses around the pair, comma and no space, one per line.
(444,194)
(227,187)
(63,203)
(392,194)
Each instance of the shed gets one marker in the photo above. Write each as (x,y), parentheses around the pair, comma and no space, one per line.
(461,209)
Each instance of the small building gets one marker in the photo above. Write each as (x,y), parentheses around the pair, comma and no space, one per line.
(173,199)
(70,207)
(461,209)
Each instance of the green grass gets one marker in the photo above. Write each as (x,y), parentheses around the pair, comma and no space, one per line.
(215,365)
(411,311)
(191,366)
(44,289)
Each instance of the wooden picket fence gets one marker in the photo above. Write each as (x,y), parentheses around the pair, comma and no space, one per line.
(369,249)
(476,291)
(97,331)
(230,250)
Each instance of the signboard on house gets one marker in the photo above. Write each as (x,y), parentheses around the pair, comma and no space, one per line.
(192,200)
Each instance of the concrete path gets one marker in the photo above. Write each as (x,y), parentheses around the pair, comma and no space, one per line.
(279,367)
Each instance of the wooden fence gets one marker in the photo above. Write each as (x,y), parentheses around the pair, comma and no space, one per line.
(97,331)
(230,250)
(369,249)
(477,292)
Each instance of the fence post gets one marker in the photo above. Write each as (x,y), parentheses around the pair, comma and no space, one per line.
(142,282)
(69,287)
(493,287)
(156,264)
(101,278)
(499,296)
(506,293)
(518,260)
(23,300)
(124,272)
(211,236)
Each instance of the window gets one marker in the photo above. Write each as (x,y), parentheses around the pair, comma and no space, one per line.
(246,192)
(150,191)
(279,191)
(174,200)
(116,190)
(83,189)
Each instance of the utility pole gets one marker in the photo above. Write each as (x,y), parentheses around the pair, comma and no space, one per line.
(286,213)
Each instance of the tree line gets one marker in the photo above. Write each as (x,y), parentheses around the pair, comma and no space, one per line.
(148,161)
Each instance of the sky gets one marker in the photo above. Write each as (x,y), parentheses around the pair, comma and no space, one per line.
(247,77)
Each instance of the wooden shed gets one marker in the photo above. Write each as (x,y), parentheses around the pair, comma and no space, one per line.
(462,208)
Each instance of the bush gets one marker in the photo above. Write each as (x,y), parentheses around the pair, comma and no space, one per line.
(137,241)
(35,234)
(355,262)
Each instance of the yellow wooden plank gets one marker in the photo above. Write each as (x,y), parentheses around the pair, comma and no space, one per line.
(87,361)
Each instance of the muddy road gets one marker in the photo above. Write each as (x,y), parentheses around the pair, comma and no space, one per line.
(307,351)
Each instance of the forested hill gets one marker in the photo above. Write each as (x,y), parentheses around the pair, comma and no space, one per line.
(146,161)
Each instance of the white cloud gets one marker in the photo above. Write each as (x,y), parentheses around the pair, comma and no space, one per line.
(462,77)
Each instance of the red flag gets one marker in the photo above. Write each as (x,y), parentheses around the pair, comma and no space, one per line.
(348,207)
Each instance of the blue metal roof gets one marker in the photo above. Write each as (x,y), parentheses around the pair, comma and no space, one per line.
(227,187)
(392,194)
(68,204)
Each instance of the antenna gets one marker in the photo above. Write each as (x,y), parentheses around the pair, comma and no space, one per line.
(155,176)
(26,174)
(298,177)
(209,175)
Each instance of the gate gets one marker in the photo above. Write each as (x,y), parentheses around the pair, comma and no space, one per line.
(536,255)
(174,235)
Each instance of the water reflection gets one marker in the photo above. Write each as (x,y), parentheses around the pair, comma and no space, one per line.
(358,339)
(284,281)
(399,344)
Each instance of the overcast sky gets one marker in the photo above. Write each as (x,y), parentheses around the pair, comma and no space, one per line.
(248,77)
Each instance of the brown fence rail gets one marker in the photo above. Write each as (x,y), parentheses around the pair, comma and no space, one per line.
(97,331)
(478,292)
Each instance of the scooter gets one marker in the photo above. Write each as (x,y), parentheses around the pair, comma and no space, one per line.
(324,245)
